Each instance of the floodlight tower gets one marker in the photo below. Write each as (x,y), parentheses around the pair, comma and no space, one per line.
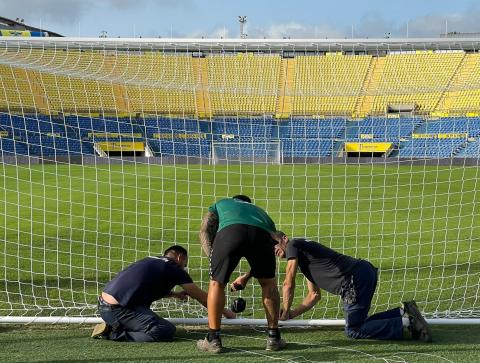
(242,20)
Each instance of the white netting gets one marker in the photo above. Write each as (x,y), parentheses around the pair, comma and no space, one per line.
(246,152)
(112,151)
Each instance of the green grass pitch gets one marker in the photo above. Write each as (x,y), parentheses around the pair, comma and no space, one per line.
(67,229)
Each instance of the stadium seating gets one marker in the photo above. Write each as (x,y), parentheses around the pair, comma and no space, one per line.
(15,125)
(80,95)
(471,150)
(307,148)
(431,148)
(17,89)
(180,147)
(382,129)
(176,136)
(309,128)
(10,147)
(471,126)
(329,84)
(463,93)
(417,79)
(48,146)
(151,126)
(157,83)
(102,128)
(49,136)
(243,129)
(243,83)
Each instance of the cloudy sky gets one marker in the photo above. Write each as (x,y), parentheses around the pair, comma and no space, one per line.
(266,18)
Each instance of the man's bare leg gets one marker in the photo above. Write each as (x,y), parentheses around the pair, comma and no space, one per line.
(215,304)
(271,301)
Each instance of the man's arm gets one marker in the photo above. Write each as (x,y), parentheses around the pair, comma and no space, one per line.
(313,296)
(241,281)
(198,294)
(289,288)
(208,230)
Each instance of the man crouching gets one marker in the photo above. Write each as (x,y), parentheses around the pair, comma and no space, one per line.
(125,302)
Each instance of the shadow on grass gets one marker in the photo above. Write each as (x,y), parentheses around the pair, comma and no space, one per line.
(7,328)
(242,343)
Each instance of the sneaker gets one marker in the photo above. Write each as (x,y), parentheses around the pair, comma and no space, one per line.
(275,344)
(418,325)
(213,346)
(101,331)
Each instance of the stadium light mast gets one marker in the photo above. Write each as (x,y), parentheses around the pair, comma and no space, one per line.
(242,20)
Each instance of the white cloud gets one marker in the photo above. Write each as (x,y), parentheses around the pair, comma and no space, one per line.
(222,32)
(70,11)
(295,30)
(429,25)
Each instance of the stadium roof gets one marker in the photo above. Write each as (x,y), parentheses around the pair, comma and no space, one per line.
(9,24)
(293,45)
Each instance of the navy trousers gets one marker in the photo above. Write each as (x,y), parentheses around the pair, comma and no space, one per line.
(139,324)
(386,325)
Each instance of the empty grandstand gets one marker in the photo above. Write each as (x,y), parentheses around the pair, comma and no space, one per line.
(315,100)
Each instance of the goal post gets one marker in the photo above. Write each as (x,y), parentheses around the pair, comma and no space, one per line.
(246,152)
(184,123)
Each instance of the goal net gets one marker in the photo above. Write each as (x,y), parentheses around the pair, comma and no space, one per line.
(112,150)
(246,152)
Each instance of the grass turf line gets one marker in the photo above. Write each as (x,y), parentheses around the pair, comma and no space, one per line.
(72,343)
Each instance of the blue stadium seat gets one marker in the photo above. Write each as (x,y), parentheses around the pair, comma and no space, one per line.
(85,126)
(471,150)
(381,128)
(244,129)
(430,148)
(468,125)
(58,146)
(300,136)
(307,148)
(10,147)
(165,125)
(308,128)
(198,148)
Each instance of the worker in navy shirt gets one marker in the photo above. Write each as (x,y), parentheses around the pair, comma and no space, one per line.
(353,279)
(125,302)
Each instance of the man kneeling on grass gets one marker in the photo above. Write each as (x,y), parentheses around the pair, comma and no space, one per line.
(353,279)
(125,302)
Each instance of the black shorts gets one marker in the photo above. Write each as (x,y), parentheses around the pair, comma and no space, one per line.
(241,240)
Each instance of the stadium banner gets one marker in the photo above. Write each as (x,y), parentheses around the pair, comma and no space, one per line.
(458,135)
(122,146)
(371,147)
(15,33)
(168,135)
(113,135)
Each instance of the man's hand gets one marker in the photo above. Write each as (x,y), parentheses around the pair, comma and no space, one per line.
(279,250)
(285,315)
(240,282)
(229,314)
(181,295)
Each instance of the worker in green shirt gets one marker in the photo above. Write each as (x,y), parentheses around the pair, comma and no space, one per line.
(234,228)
